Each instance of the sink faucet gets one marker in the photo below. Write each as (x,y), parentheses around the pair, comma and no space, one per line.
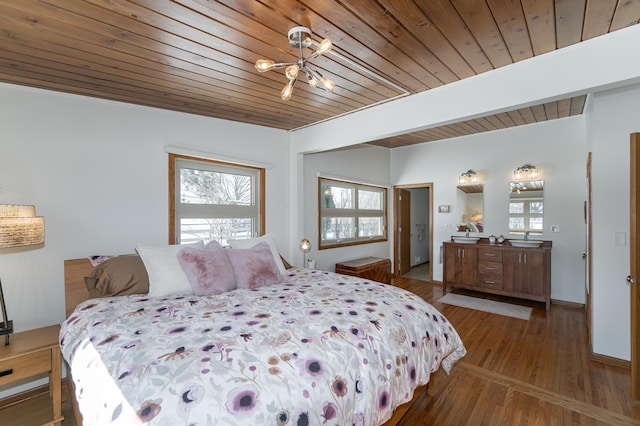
(526,235)
(467,235)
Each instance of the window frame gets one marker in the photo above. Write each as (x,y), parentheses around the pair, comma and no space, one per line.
(223,166)
(526,215)
(354,212)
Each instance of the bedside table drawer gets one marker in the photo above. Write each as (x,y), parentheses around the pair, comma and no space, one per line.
(25,366)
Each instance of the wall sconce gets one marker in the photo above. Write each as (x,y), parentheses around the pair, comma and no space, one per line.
(305,247)
(468,178)
(526,172)
(19,227)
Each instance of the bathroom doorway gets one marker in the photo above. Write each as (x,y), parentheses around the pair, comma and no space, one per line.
(413,251)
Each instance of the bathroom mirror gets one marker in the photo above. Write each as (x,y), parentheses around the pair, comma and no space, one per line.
(526,207)
(470,202)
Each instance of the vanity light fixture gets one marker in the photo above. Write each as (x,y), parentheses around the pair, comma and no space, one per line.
(300,38)
(526,172)
(468,178)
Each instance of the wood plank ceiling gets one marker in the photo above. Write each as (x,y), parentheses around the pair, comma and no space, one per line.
(198,56)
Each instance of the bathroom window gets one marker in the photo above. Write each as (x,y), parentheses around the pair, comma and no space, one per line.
(526,215)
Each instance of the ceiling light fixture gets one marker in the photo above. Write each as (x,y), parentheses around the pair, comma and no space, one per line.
(300,38)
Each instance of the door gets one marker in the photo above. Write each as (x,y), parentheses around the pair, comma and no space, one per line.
(404,231)
(460,265)
(469,268)
(524,271)
(451,266)
(588,251)
(634,264)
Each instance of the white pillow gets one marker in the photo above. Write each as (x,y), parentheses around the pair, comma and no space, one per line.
(166,276)
(248,243)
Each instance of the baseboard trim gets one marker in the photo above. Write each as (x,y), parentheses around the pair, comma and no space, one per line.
(566,304)
(617,362)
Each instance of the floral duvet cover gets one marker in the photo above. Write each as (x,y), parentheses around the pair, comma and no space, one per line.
(321,348)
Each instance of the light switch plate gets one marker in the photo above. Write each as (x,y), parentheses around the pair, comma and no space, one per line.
(555,228)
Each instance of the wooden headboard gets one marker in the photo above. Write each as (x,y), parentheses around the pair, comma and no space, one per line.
(75,290)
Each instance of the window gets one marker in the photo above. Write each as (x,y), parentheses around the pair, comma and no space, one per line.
(351,213)
(525,214)
(211,200)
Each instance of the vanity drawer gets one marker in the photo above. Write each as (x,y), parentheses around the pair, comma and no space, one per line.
(493,268)
(490,274)
(12,369)
(490,280)
(490,254)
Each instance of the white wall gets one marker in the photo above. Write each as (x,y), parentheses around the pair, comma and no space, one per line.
(365,165)
(98,173)
(556,147)
(612,118)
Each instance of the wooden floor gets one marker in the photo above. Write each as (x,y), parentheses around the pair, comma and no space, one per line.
(516,372)
(520,372)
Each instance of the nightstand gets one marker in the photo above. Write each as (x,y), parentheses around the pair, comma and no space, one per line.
(29,354)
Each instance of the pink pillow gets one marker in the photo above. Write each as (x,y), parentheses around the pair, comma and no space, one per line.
(254,267)
(208,269)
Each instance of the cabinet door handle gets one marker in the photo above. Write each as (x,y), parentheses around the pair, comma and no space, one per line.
(6,372)
(462,252)
(519,257)
(489,269)
(525,258)
(490,254)
(489,282)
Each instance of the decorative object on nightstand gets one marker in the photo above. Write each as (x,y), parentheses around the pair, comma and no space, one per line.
(305,247)
(19,227)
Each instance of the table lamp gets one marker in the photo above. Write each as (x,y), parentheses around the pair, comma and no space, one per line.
(19,227)
(305,247)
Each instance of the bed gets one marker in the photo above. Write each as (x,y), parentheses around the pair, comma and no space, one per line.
(314,348)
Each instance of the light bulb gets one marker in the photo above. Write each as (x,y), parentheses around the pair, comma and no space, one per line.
(324,46)
(263,65)
(287,91)
(292,72)
(328,84)
(313,82)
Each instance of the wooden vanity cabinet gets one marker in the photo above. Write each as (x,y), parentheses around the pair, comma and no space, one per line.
(463,264)
(499,269)
(524,272)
